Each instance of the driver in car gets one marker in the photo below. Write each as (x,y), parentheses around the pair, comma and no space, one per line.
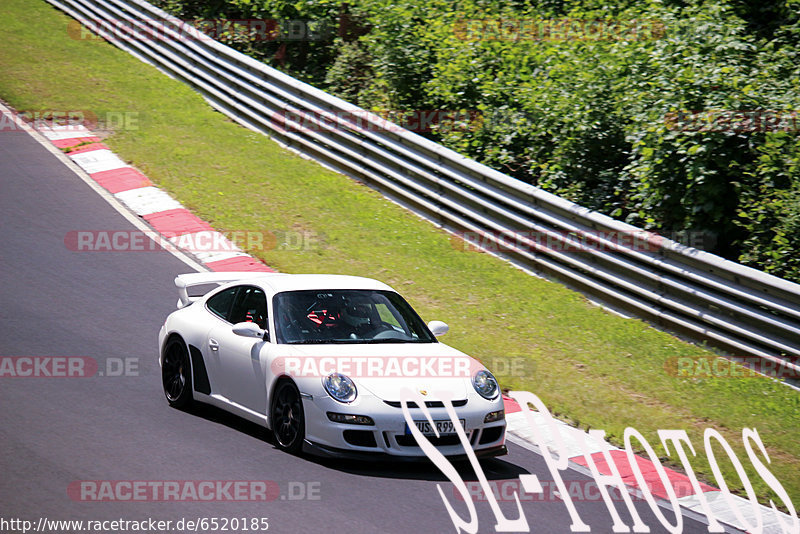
(358,317)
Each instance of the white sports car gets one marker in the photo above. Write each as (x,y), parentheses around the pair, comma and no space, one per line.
(323,361)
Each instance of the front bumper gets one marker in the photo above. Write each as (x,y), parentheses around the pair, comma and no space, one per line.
(388,438)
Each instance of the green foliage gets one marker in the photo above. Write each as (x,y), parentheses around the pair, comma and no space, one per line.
(606,122)
(299,38)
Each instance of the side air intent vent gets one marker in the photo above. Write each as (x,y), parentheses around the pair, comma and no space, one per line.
(200,381)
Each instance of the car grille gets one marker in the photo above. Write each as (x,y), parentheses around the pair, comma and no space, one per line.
(429,404)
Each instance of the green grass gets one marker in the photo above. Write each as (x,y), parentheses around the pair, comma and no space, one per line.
(590,367)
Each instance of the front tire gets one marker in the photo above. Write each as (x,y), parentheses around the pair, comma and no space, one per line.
(176,374)
(288,418)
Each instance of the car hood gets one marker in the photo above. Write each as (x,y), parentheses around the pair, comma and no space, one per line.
(384,370)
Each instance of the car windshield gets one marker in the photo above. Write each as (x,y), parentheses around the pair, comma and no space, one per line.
(347,316)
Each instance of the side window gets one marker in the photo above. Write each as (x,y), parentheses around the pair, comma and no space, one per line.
(220,304)
(250,306)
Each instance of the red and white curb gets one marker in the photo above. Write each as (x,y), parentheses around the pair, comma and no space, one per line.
(744,518)
(157,208)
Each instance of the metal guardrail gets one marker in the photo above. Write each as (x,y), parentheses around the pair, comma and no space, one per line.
(742,310)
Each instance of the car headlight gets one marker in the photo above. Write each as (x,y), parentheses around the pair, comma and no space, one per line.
(340,387)
(485,384)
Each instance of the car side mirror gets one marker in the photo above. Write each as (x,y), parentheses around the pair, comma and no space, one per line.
(248,329)
(438,328)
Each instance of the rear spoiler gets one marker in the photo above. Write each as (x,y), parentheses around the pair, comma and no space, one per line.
(184,281)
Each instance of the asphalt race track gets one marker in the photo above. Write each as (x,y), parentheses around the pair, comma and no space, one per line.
(108,306)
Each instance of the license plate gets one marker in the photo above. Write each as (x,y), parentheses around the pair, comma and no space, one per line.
(444,427)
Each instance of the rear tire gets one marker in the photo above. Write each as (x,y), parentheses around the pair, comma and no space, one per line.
(176,374)
(288,419)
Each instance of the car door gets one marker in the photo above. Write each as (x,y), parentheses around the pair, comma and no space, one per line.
(242,367)
(219,307)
